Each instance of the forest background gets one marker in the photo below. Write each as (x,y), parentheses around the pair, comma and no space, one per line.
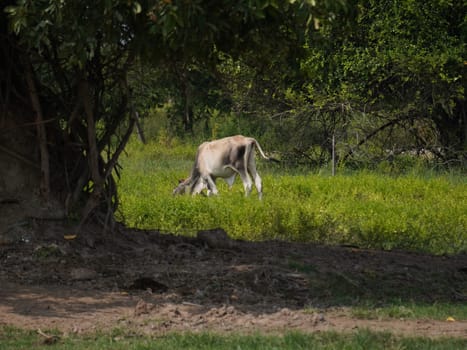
(382,80)
(385,80)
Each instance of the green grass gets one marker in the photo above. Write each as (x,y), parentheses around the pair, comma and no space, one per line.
(420,212)
(11,338)
(411,310)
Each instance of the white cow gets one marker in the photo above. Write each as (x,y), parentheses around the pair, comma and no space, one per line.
(224,158)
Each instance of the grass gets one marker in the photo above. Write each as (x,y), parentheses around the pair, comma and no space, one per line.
(411,310)
(11,338)
(418,211)
(426,212)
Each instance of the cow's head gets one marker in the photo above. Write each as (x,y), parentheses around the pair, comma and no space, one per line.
(190,185)
(182,188)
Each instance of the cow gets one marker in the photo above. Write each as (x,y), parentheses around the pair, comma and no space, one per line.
(224,158)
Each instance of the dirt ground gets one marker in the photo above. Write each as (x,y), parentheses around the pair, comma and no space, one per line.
(152,283)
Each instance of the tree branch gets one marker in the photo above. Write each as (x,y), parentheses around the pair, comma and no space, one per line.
(371,135)
(41,131)
(93,155)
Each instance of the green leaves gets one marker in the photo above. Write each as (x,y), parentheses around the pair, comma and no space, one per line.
(75,30)
(137,8)
(20,20)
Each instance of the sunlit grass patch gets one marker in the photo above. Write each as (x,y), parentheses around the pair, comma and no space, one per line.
(367,209)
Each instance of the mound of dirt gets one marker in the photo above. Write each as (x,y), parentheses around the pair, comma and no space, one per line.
(149,282)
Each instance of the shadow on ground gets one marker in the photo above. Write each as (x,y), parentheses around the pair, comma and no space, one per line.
(53,275)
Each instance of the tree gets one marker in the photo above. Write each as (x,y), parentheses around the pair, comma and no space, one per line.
(68,62)
(379,75)
(402,64)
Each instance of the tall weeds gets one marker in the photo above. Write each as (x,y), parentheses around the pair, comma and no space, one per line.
(416,211)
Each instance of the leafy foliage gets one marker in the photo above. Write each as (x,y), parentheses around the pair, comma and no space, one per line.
(77,56)
(383,79)
(400,67)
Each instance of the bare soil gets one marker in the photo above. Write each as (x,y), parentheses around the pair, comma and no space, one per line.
(152,283)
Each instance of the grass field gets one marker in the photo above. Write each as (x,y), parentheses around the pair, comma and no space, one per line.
(17,339)
(422,212)
(419,211)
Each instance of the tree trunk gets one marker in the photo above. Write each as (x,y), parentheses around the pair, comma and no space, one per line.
(188,108)
(463,112)
(41,133)
(139,128)
(92,153)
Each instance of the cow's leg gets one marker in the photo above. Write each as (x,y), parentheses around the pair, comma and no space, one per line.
(199,186)
(243,170)
(258,183)
(254,174)
(247,183)
(211,185)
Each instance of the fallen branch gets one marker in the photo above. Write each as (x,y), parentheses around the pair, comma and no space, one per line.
(369,136)
(49,339)
(19,157)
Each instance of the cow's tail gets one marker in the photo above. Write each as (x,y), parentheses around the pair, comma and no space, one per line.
(263,154)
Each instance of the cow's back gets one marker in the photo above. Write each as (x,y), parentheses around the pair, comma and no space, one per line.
(219,156)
